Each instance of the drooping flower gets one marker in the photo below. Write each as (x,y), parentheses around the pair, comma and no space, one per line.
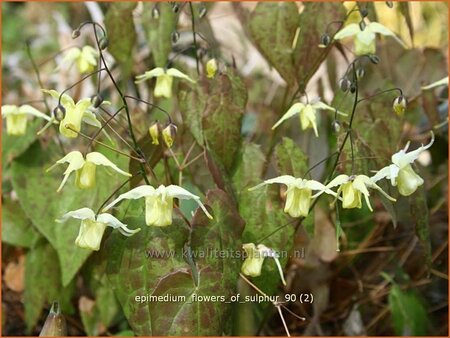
(85,169)
(74,114)
(154,133)
(85,58)
(365,33)
(164,80)
(307,113)
(298,194)
(400,172)
(158,202)
(169,134)
(441,82)
(352,187)
(16,118)
(399,105)
(255,258)
(93,227)
(211,68)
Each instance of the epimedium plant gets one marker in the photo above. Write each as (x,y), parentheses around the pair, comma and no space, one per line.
(204,187)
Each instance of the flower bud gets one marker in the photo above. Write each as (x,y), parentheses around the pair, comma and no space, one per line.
(359,73)
(336,126)
(59,112)
(374,59)
(202,12)
(352,88)
(390,4)
(96,100)
(76,33)
(175,36)
(154,133)
(175,7)
(55,324)
(324,40)
(399,105)
(169,134)
(211,68)
(103,42)
(155,12)
(344,84)
(362,25)
(364,12)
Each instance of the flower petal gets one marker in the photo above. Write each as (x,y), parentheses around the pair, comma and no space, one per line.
(338,180)
(284,179)
(181,193)
(324,106)
(83,213)
(113,222)
(377,27)
(27,109)
(402,159)
(9,109)
(75,160)
(348,30)
(133,194)
(149,74)
(176,73)
(100,159)
(294,110)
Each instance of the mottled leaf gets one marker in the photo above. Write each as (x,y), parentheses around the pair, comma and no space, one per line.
(121,33)
(291,160)
(313,23)
(159,31)
(154,262)
(13,146)
(43,283)
(272,27)
(17,229)
(420,216)
(41,203)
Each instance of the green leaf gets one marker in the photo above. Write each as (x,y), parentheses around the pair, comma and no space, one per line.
(272,27)
(291,160)
(153,262)
(43,283)
(222,117)
(121,33)
(420,217)
(313,22)
(159,31)
(14,146)
(409,315)
(37,194)
(249,167)
(263,213)
(17,229)
(214,110)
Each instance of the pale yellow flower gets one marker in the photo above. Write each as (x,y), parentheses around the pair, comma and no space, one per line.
(93,227)
(16,118)
(158,202)
(85,169)
(164,80)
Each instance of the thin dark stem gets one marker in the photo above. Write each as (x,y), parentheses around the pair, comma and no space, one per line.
(125,104)
(113,193)
(194,37)
(382,92)
(103,126)
(151,105)
(78,82)
(41,85)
